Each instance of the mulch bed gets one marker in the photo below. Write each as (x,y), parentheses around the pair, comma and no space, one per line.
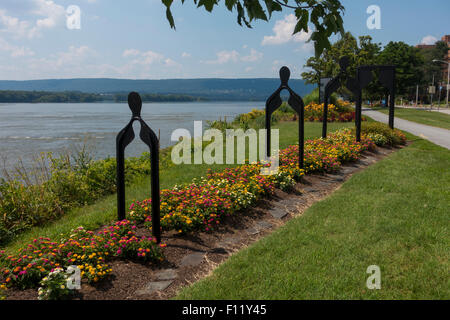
(206,250)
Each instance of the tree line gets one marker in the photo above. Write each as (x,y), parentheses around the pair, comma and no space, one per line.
(12,96)
(414,65)
(155,97)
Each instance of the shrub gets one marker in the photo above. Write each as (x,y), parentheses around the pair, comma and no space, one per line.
(393,137)
(379,139)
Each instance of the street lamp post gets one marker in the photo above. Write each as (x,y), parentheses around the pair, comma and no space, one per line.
(448,75)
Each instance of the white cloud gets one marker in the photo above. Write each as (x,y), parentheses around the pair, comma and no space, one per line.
(74,62)
(171,63)
(48,15)
(185,55)
(148,58)
(131,53)
(13,25)
(283,30)
(15,51)
(234,56)
(224,57)
(253,56)
(430,40)
(145,58)
(53,13)
(75,55)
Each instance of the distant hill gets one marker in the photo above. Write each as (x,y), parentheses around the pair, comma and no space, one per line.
(211,89)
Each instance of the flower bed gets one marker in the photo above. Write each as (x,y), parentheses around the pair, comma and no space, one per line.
(201,205)
(325,155)
(88,250)
(340,113)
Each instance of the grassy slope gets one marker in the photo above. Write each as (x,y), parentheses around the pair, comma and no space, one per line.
(395,215)
(431,118)
(104,211)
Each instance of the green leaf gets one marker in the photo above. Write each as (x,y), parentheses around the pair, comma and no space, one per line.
(170,18)
(303,19)
(257,12)
(167,3)
(230,4)
(208,4)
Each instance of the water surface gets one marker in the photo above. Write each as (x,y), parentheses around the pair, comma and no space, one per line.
(28,129)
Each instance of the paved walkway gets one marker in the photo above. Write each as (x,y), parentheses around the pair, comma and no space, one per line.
(438,136)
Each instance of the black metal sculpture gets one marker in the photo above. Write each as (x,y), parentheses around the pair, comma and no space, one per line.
(322,84)
(387,79)
(331,87)
(364,77)
(296,102)
(355,85)
(124,138)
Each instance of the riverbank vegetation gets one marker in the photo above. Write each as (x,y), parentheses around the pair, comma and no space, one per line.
(81,97)
(154,97)
(48,97)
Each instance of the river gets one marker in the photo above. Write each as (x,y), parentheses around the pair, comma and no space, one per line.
(29,129)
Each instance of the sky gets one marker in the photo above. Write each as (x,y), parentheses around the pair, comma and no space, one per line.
(133,40)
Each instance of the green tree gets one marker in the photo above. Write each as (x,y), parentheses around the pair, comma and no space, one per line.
(324,15)
(409,63)
(429,68)
(327,64)
(360,52)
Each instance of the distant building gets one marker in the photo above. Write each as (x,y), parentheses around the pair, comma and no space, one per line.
(445,39)
(425,46)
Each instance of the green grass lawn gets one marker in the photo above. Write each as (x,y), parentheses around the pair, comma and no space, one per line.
(104,210)
(395,214)
(431,118)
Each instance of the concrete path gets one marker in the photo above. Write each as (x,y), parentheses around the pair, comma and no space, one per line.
(438,136)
